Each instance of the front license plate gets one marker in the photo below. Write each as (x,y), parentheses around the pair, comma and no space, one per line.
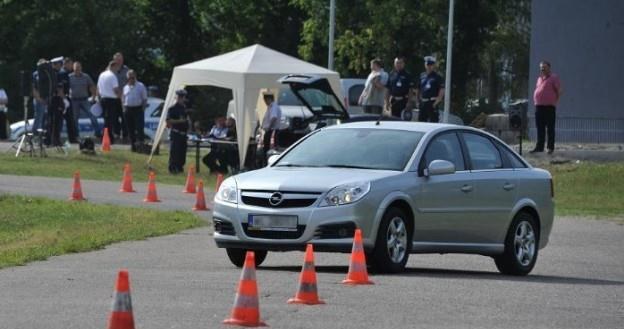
(272,223)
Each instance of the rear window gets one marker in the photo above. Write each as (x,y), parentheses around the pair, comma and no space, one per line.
(354,94)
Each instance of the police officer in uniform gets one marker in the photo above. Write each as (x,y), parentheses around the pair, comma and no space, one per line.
(399,85)
(431,92)
(177,121)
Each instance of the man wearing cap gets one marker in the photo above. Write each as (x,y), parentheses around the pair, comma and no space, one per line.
(546,96)
(63,77)
(177,121)
(270,122)
(431,92)
(110,95)
(399,85)
(80,85)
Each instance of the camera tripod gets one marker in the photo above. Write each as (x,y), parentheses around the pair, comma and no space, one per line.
(26,143)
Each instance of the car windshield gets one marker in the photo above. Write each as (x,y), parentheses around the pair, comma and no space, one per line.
(363,148)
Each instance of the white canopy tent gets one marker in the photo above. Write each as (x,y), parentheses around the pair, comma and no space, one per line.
(246,71)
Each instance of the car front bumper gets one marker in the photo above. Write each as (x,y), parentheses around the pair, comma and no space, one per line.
(327,228)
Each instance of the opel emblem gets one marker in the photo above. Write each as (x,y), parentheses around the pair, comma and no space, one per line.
(275,199)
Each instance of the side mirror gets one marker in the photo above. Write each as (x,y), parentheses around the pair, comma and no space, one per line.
(440,167)
(271,160)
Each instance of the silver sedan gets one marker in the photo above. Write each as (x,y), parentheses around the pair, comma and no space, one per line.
(410,188)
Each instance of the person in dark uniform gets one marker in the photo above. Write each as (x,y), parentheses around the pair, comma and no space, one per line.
(58,106)
(62,76)
(399,85)
(430,92)
(177,121)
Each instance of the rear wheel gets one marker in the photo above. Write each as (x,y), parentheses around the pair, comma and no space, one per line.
(521,246)
(237,256)
(393,242)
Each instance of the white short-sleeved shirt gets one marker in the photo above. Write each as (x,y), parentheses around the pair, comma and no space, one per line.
(135,95)
(107,82)
(273,111)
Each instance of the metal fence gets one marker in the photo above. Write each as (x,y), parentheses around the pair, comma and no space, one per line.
(584,130)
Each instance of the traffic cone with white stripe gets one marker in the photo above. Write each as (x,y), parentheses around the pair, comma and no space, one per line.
(357,268)
(246,310)
(126,182)
(77,189)
(121,314)
(151,196)
(200,198)
(219,181)
(189,187)
(307,293)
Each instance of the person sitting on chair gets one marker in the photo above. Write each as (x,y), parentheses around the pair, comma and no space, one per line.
(215,160)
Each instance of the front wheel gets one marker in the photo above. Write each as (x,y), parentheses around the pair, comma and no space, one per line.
(521,246)
(237,256)
(393,243)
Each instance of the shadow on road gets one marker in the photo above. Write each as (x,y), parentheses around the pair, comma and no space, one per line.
(460,274)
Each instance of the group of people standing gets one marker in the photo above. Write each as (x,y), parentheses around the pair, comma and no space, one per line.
(398,93)
(122,98)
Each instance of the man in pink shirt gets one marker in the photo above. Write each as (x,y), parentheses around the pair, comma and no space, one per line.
(546,97)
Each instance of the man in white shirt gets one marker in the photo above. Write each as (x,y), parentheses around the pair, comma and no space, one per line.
(134,100)
(270,122)
(110,95)
(372,97)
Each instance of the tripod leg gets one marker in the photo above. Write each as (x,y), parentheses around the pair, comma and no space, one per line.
(19,147)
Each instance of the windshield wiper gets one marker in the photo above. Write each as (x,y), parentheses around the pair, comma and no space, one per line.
(347,166)
(293,165)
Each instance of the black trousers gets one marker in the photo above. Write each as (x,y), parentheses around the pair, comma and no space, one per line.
(397,106)
(55,125)
(177,152)
(545,117)
(72,133)
(427,112)
(109,110)
(135,121)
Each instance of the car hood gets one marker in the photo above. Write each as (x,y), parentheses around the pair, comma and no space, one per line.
(305,179)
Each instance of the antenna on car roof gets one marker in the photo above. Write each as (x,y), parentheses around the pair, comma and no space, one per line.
(380,117)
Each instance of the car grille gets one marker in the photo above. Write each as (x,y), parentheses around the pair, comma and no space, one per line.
(277,235)
(289,199)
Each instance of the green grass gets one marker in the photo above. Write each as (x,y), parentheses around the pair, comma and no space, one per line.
(589,189)
(36,228)
(100,167)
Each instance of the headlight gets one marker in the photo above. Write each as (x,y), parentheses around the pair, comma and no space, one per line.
(227,191)
(345,194)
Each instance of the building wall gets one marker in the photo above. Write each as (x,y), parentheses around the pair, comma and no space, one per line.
(584,41)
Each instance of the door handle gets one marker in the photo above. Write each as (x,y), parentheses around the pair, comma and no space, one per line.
(466,188)
(509,186)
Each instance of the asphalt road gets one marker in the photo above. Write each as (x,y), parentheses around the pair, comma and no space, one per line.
(184,281)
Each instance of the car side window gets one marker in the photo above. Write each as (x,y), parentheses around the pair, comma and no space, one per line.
(445,147)
(482,152)
(512,157)
(354,94)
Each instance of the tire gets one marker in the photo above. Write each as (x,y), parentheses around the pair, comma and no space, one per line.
(237,256)
(521,246)
(393,242)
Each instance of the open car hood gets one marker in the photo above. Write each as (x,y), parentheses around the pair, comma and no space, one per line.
(316,95)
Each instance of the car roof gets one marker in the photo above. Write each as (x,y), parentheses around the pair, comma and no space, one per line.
(423,127)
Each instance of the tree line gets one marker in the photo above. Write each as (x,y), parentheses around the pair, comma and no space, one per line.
(490,51)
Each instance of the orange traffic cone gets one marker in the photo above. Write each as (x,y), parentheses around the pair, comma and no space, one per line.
(307,293)
(106,144)
(77,190)
(200,203)
(246,311)
(219,181)
(190,181)
(151,189)
(121,313)
(126,183)
(357,268)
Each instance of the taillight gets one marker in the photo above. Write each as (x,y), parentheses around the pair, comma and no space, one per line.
(552,189)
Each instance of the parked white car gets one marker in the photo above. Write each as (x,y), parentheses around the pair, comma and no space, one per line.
(152,117)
